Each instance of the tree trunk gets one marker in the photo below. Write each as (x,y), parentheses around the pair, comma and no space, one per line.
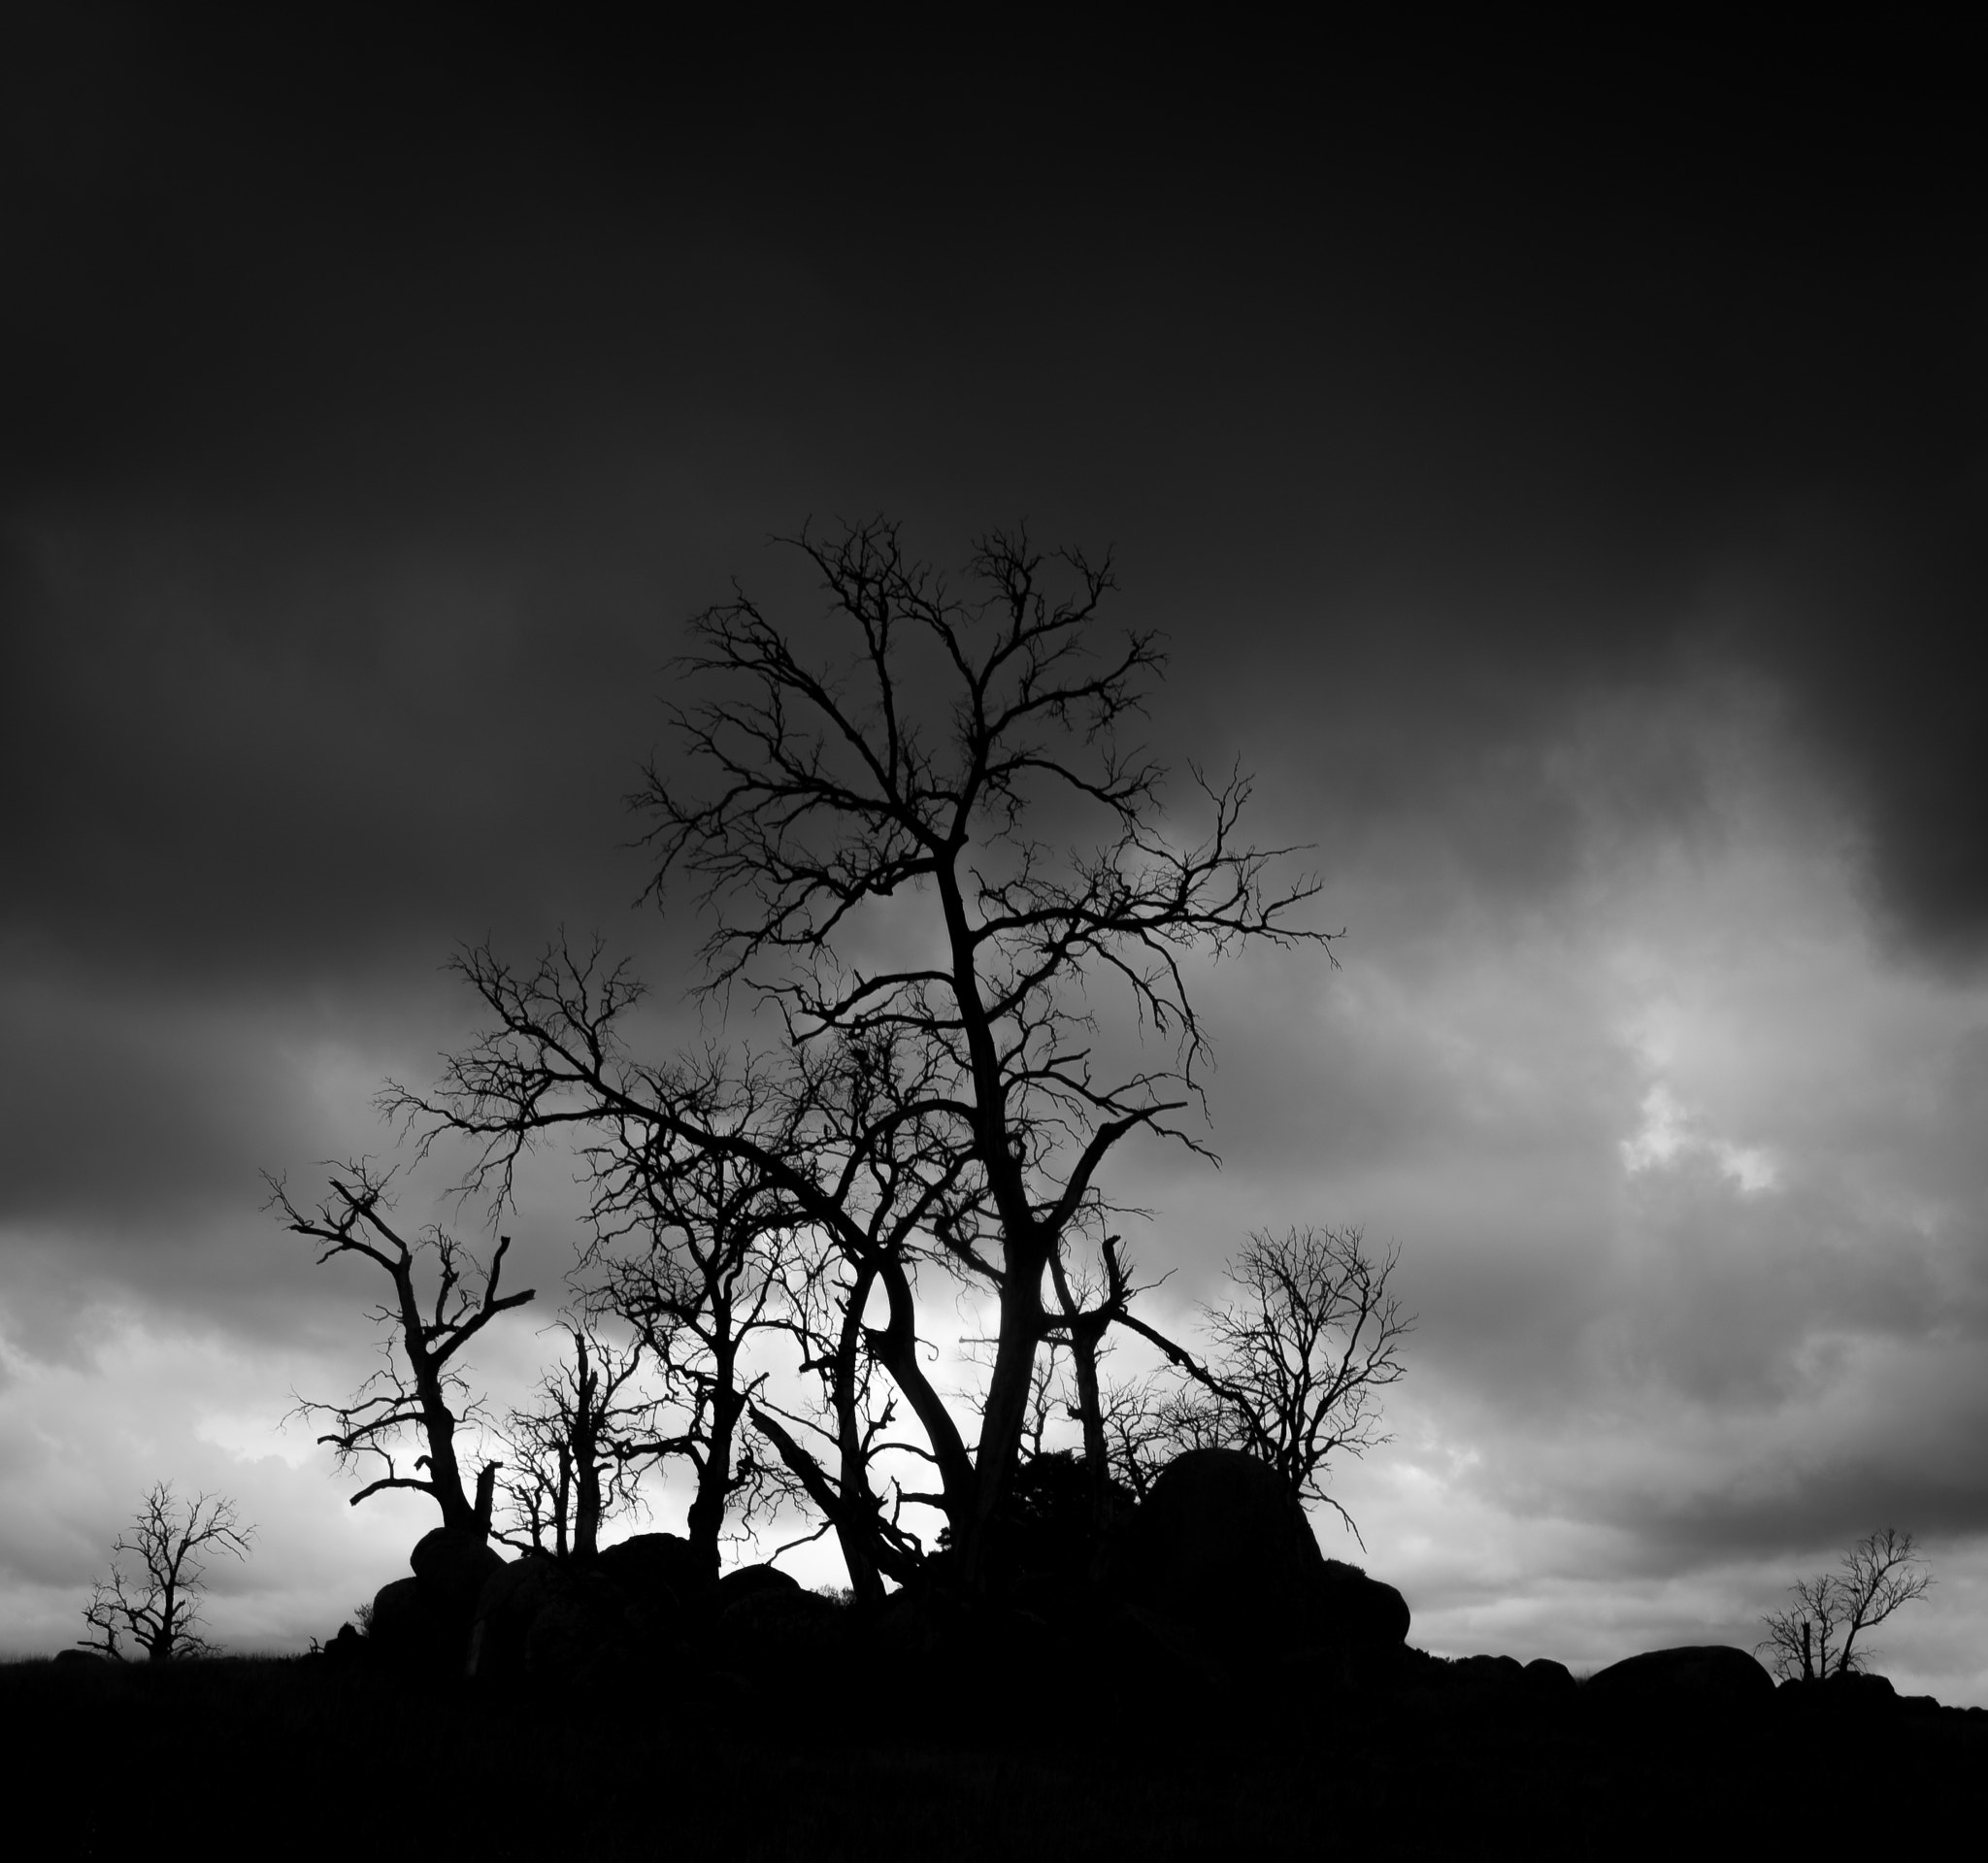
(486,1496)
(561,1546)
(161,1647)
(438,1420)
(1090,1411)
(856,1538)
(1020,1334)
(895,1346)
(849,1512)
(707,1518)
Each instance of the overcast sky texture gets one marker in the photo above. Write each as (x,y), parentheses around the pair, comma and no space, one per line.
(1571,511)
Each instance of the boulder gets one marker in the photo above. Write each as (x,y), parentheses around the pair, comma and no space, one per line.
(663,1568)
(1364,1609)
(1852,1696)
(511,1598)
(452,1565)
(781,1625)
(347,1649)
(1221,1544)
(748,1580)
(84,1662)
(583,1615)
(1489,1674)
(1550,1680)
(1707,1676)
(1218,1527)
(406,1633)
(1863,1692)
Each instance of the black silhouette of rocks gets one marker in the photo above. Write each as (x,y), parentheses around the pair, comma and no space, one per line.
(512,1597)
(1854,1695)
(406,1632)
(1218,1528)
(556,1620)
(1550,1680)
(583,1615)
(1867,1692)
(664,1566)
(1499,1675)
(452,1565)
(1222,1544)
(1364,1609)
(749,1580)
(83,1662)
(1712,1674)
(781,1624)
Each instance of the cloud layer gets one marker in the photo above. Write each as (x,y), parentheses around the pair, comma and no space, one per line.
(1580,554)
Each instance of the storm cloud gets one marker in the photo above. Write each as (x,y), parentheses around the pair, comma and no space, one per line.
(1572,514)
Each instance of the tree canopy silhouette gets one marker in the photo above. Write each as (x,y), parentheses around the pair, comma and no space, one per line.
(155,1602)
(1817,1637)
(419,1388)
(926,842)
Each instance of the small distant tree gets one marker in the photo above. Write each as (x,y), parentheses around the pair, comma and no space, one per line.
(1817,1637)
(1299,1357)
(159,1565)
(571,1452)
(418,1391)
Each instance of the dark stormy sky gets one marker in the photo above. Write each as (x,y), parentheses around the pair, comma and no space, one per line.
(1560,479)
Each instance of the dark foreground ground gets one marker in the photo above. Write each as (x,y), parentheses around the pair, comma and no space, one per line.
(244,1759)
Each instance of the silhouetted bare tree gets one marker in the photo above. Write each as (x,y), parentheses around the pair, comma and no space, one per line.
(1152,1418)
(415,1391)
(690,1250)
(158,1566)
(960,755)
(1299,1360)
(1817,1637)
(573,1454)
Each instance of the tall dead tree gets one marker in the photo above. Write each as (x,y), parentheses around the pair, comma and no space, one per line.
(922,829)
(417,1391)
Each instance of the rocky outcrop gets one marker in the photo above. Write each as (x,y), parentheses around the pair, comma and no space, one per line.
(1221,1545)
(1365,1610)
(748,1580)
(1856,1696)
(452,1565)
(406,1633)
(1489,1674)
(780,1625)
(1218,1531)
(1550,1680)
(1696,1676)
(511,1598)
(580,1615)
(425,1622)
(663,1567)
